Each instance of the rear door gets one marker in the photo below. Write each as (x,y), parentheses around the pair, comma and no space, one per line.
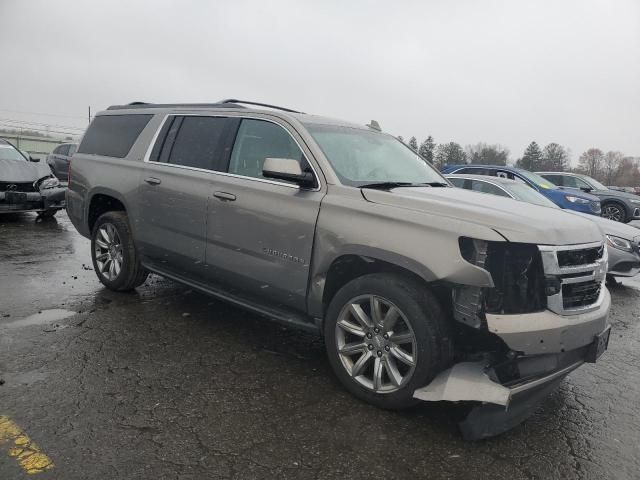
(174,191)
(260,232)
(60,169)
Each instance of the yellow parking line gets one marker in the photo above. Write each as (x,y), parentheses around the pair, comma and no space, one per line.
(28,454)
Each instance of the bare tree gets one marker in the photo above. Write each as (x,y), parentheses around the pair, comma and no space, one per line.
(449,154)
(590,162)
(611,163)
(487,154)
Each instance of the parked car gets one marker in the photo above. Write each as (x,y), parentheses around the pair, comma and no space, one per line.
(577,201)
(623,241)
(60,158)
(26,185)
(621,206)
(421,291)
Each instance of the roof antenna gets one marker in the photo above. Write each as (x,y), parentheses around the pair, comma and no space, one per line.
(373,125)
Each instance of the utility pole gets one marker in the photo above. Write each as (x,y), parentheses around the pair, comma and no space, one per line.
(89,113)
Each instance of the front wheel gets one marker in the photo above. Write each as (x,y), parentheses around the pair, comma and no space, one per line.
(114,255)
(386,336)
(614,211)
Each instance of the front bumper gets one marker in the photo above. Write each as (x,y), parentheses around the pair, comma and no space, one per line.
(623,264)
(545,347)
(46,199)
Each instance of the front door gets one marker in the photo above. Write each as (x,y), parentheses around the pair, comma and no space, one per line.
(260,232)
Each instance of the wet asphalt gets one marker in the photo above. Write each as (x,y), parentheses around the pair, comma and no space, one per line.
(169,383)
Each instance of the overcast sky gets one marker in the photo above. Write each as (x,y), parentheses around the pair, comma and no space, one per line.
(504,72)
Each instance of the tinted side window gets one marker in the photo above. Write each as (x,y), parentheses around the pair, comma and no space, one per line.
(485,187)
(197,142)
(72,149)
(458,182)
(113,135)
(473,171)
(555,179)
(63,150)
(257,140)
(573,182)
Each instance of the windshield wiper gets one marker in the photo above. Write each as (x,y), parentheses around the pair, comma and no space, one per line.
(390,185)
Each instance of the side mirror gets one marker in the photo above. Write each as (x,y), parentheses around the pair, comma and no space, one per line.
(586,189)
(287,169)
(32,159)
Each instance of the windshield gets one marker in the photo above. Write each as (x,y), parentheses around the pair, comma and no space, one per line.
(7,152)
(537,179)
(361,157)
(525,193)
(594,183)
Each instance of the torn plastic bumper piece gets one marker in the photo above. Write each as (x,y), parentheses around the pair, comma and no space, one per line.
(503,407)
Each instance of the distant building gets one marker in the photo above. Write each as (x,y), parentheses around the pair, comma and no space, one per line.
(36,146)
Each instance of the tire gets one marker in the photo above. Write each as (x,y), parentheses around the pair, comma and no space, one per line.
(48,213)
(614,211)
(127,273)
(420,311)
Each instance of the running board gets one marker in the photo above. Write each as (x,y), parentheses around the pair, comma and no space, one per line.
(283,317)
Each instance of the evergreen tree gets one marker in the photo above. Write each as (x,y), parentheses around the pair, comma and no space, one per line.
(399,137)
(413,143)
(426,149)
(532,158)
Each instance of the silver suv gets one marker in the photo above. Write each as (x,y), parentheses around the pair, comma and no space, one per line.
(423,292)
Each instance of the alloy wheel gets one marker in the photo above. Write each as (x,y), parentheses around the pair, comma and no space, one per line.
(612,212)
(108,251)
(376,344)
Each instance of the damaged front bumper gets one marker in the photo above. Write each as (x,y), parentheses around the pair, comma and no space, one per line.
(40,201)
(544,348)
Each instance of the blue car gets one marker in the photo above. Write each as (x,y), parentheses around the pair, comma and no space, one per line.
(571,200)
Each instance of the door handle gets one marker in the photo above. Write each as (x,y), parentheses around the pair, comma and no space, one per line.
(153,181)
(225,196)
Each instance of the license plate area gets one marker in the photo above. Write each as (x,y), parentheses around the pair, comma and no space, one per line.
(15,197)
(598,347)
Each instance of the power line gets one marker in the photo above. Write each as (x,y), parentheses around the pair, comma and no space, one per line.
(15,128)
(41,124)
(44,114)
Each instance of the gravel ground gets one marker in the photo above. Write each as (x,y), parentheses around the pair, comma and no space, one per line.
(168,383)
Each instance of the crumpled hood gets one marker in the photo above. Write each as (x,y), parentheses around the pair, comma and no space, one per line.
(19,171)
(517,221)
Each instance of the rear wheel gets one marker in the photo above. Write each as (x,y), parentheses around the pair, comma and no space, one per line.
(614,211)
(114,255)
(386,336)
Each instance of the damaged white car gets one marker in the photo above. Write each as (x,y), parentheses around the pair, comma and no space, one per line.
(27,185)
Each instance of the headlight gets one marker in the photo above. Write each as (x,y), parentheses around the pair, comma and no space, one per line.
(619,243)
(578,200)
(50,182)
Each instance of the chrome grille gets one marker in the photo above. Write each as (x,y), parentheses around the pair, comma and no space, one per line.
(576,275)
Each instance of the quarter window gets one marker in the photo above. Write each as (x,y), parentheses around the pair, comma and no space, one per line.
(113,135)
(257,140)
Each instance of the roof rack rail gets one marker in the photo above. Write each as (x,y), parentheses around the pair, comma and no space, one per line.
(233,100)
(141,105)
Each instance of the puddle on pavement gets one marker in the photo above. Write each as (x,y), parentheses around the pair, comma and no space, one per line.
(42,318)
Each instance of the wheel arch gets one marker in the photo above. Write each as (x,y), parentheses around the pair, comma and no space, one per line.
(103,200)
(354,263)
(619,203)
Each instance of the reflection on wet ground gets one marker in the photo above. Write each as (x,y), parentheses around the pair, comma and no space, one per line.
(134,388)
